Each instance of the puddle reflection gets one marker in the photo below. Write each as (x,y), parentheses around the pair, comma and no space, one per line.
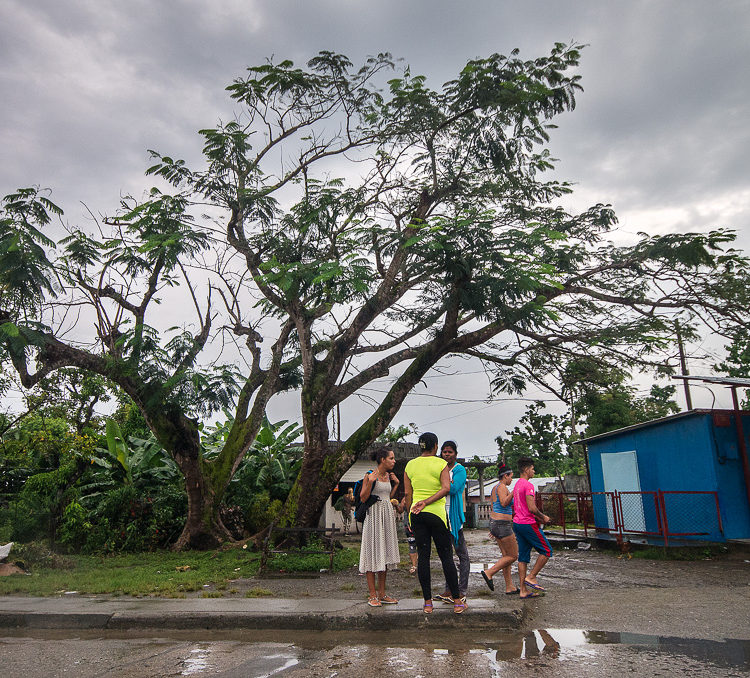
(570,643)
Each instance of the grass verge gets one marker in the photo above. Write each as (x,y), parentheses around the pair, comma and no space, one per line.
(681,552)
(160,573)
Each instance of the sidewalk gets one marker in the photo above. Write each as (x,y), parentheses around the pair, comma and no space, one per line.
(109,612)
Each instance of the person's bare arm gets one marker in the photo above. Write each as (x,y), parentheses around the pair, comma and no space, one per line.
(535,511)
(395,482)
(504,495)
(367,483)
(408,493)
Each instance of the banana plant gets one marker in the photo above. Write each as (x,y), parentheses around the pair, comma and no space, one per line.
(131,461)
(274,459)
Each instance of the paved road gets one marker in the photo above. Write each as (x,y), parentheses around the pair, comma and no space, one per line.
(695,617)
(551,652)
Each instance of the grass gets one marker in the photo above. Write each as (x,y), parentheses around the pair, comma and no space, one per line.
(313,562)
(680,552)
(162,573)
(139,574)
(258,593)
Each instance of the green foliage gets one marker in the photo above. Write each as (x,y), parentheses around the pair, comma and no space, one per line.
(737,361)
(143,463)
(127,520)
(75,526)
(397,434)
(270,467)
(617,406)
(26,272)
(72,395)
(546,438)
(37,510)
(260,510)
(313,562)
(131,420)
(489,473)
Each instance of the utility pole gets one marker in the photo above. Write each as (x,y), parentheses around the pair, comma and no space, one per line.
(683,364)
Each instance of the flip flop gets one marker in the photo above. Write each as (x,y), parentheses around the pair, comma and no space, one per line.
(513,593)
(488,581)
(533,594)
(459,606)
(536,587)
(427,607)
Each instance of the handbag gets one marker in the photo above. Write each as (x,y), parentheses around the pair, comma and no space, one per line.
(361,511)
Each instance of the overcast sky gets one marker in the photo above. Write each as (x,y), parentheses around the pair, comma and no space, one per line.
(660,131)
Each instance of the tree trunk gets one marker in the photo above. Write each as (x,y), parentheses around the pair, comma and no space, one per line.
(203,528)
(322,467)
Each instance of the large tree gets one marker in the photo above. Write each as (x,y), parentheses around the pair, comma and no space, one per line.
(383,226)
(442,238)
(88,305)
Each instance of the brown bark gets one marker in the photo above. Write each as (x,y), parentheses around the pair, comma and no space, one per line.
(203,527)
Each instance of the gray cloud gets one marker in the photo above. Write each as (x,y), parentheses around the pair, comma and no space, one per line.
(660,130)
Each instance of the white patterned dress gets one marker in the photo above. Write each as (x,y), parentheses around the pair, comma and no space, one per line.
(379,551)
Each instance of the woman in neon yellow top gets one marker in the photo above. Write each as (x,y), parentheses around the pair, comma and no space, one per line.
(426,482)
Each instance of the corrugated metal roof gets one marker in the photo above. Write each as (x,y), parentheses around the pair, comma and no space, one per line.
(654,422)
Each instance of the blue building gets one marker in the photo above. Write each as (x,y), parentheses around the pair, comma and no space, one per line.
(683,475)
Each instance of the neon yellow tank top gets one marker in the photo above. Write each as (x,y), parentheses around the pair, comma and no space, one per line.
(424,475)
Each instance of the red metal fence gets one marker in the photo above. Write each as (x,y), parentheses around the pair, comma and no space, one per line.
(662,514)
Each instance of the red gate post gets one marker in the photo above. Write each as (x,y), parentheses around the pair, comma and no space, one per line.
(665,524)
(620,519)
(718,511)
(562,512)
(582,514)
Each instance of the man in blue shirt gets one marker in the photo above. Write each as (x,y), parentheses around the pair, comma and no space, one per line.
(454,506)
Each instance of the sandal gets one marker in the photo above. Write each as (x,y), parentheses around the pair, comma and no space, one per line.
(427,607)
(373,601)
(533,594)
(412,569)
(459,606)
(387,600)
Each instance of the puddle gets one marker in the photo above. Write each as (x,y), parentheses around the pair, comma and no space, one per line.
(561,652)
(570,644)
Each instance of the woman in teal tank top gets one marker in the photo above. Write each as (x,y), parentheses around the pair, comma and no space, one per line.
(426,482)
(501,529)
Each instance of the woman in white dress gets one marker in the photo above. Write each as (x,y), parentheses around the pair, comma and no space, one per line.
(379,552)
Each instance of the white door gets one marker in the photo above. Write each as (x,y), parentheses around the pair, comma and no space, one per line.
(620,470)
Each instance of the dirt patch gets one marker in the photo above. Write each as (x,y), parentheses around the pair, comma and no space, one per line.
(7,569)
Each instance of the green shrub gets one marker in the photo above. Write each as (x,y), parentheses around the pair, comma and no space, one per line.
(261,511)
(75,526)
(126,521)
(35,555)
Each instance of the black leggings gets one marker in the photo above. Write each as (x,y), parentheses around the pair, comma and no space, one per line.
(427,527)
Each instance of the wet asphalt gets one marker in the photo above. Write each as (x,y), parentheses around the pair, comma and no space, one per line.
(602,616)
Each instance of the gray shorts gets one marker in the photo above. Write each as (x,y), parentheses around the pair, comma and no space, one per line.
(501,528)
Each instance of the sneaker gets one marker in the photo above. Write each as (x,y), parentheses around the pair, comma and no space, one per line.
(444,597)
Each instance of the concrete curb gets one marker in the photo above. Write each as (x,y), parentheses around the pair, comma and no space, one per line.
(289,614)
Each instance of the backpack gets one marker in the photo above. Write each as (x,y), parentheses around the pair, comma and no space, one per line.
(360,507)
